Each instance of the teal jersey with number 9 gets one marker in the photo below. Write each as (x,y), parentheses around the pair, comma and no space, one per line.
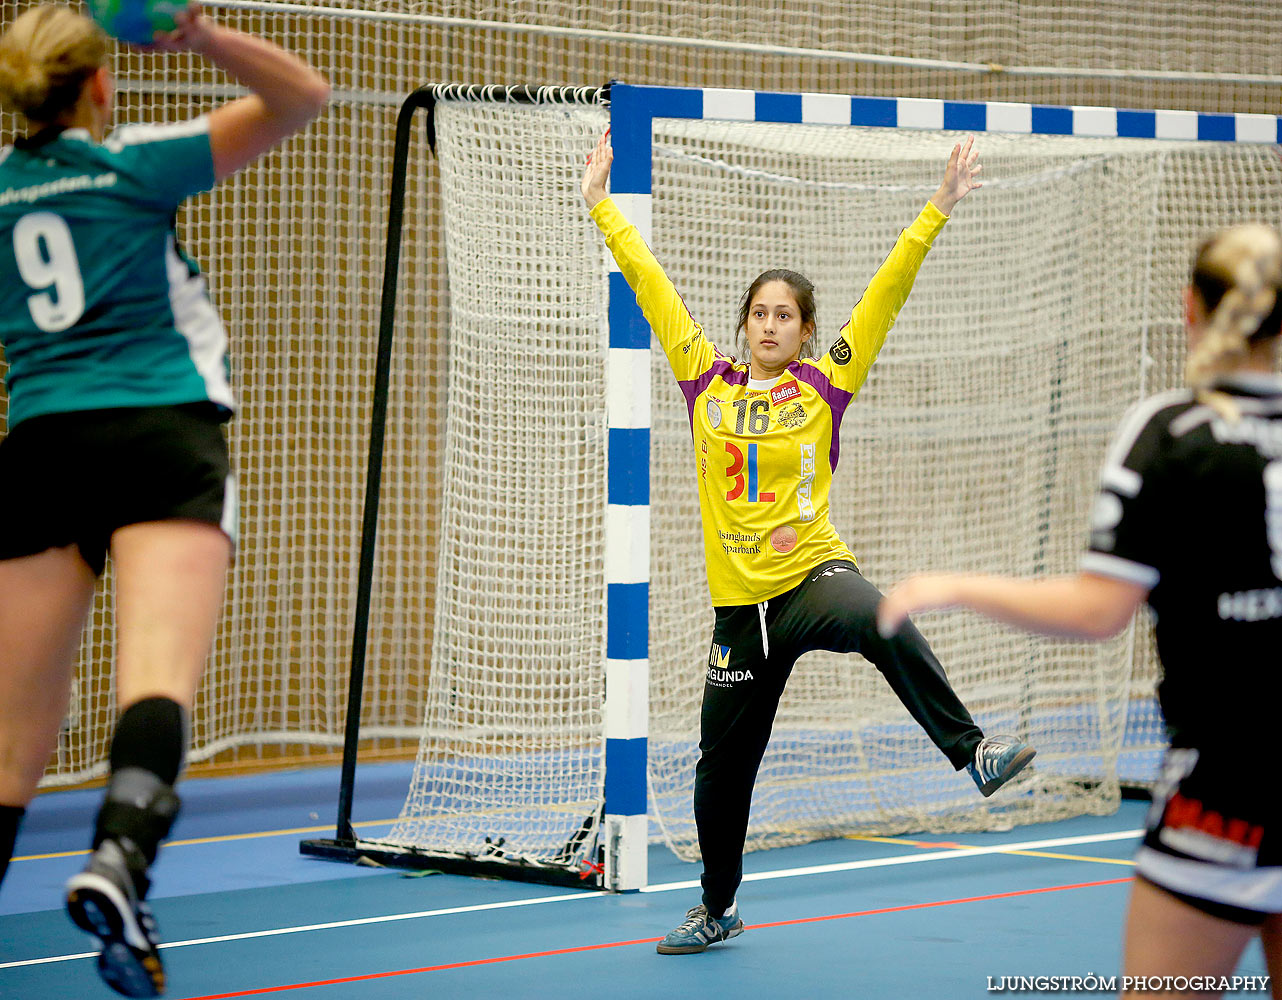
(99,306)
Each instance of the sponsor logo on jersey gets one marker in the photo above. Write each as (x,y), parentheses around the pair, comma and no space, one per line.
(743,543)
(61,185)
(840,351)
(1189,827)
(714,413)
(1250,605)
(805,507)
(784,538)
(794,416)
(784,392)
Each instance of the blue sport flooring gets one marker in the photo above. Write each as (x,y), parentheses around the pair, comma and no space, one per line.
(245,915)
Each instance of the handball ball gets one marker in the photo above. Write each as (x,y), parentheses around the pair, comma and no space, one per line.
(135,21)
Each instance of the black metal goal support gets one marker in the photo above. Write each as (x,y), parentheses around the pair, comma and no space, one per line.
(344,846)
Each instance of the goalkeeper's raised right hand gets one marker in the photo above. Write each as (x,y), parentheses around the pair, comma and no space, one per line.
(597,172)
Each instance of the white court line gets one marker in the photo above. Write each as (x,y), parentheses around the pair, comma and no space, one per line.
(910,859)
(843,866)
(304,928)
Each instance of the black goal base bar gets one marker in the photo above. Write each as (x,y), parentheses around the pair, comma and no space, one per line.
(509,869)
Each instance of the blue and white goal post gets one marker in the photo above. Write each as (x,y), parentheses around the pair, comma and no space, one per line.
(1047,305)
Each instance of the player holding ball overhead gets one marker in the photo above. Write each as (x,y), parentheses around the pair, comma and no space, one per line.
(118,390)
(766,439)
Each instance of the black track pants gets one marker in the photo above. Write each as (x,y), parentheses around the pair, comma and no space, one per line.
(753,651)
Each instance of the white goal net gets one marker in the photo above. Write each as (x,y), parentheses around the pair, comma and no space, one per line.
(1050,302)
(512,738)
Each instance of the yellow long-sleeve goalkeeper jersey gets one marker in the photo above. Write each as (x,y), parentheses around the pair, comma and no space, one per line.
(765,456)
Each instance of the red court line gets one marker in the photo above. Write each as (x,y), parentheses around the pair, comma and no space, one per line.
(624,944)
(924,906)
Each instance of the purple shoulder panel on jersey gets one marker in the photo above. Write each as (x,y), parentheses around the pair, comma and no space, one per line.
(837,400)
(692,388)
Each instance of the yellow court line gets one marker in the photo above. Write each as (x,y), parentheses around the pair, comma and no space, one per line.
(217,840)
(1074,857)
(935,845)
(896,840)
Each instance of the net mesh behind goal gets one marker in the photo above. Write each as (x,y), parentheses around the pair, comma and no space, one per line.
(1049,303)
(512,742)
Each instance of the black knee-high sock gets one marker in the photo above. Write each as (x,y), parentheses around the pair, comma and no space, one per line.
(10,820)
(140,807)
(151,734)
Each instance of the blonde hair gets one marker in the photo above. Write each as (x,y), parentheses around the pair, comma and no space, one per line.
(1238,276)
(45,57)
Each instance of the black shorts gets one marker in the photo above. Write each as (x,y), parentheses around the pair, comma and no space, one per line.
(1213,834)
(74,478)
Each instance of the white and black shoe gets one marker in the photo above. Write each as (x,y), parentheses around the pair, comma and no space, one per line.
(997,760)
(699,930)
(104,901)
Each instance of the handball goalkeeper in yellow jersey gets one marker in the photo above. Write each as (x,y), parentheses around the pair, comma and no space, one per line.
(765,436)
